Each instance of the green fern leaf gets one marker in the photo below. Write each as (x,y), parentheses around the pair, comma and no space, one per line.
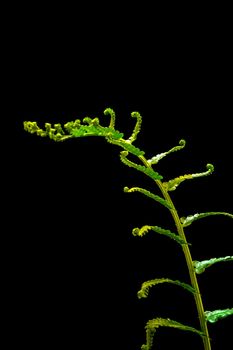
(144,291)
(186,221)
(214,316)
(200,266)
(171,185)
(148,171)
(158,157)
(159,199)
(127,146)
(144,229)
(153,324)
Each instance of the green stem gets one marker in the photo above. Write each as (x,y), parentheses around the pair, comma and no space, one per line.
(189,261)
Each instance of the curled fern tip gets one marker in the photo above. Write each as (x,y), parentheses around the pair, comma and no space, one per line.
(112,114)
(210,167)
(126,189)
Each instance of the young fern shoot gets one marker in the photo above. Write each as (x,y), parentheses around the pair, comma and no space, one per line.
(92,127)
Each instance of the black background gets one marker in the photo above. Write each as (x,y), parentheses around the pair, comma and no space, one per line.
(72,265)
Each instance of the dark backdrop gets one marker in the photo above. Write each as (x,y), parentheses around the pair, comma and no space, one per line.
(73,266)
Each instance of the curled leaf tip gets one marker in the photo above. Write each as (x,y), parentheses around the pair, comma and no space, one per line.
(182,142)
(95,121)
(124,153)
(30,126)
(135,115)
(126,189)
(108,110)
(87,120)
(112,114)
(137,127)
(135,231)
(210,167)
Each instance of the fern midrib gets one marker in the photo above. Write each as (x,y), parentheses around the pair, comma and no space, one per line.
(189,261)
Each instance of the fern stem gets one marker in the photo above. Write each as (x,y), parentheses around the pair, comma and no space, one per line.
(189,261)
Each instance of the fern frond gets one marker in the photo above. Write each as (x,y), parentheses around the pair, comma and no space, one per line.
(148,171)
(144,291)
(153,324)
(186,221)
(200,266)
(158,157)
(127,146)
(144,229)
(137,127)
(149,194)
(112,114)
(171,185)
(214,316)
